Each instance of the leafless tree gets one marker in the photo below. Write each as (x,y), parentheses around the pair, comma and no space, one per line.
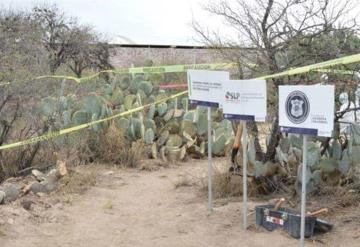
(86,51)
(273,29)
(55,35)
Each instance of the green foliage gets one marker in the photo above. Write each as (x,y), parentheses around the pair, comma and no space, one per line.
(80,117)
(146,86)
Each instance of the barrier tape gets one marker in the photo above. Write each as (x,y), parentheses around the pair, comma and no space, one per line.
(336,71)
(4,84)
(84,126)
(173,85)
(140,70)
(313,67)
(300,70)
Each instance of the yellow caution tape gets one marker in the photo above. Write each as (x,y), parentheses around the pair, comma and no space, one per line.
(309,68)
(336,71)
(175,68)
(140,70)
(4,84)
(83,126)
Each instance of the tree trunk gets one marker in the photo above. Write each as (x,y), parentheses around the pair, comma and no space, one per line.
(274,141)
(252,127)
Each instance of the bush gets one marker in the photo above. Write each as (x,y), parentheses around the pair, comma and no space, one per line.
(114,148)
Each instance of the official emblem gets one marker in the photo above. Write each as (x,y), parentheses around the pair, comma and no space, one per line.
(297,107)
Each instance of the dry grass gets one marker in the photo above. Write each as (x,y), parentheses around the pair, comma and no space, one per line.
(108,205)
(183,181)
(224,184)
(153,165)
(114,148)
(336,196)
(79,181)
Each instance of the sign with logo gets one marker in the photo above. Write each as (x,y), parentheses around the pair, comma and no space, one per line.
(244,100)
(205,87)
(307,109)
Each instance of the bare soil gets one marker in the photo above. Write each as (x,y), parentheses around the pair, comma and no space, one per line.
(164,207)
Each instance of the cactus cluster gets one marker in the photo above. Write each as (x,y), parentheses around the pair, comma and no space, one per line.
(68,111)
(170,129)
(330,168)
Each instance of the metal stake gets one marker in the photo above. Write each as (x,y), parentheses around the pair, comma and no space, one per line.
(244,145)
(210,203)
(303,192)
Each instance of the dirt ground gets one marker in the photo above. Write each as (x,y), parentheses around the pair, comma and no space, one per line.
(149,208)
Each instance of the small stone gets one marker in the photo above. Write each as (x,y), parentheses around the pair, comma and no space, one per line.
(61,165)
(12,192)
(53,176)
(38,175)
(53,219)
(11,221)
(26,204)
(2,197)
(59,205)
(40,194)
(50,186)
(37,187)
(108,173)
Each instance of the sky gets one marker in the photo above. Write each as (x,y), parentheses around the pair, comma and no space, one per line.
(141,21)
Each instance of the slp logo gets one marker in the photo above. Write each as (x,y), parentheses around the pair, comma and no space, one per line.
(232,96)
(297,107)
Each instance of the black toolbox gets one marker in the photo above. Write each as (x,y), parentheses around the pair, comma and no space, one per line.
(289,220)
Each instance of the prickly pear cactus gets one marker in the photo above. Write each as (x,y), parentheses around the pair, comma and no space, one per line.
(151,112)
(129,101)
(149,136)
(117,98)
(93,104)
(146,87)
(80,117)
(124,82)
(49,106)
(162,109)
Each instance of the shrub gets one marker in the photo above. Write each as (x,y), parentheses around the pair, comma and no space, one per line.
(114,148)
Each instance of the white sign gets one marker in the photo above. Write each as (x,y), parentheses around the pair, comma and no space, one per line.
(244,100)
(307,109)
(205,87)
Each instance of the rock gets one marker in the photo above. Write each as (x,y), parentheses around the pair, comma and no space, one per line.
(11,221)
(38,175)
(12,191)
(108,173)
(53,176)
(50,186)
(61,166)
(59,205)
(26,204)
(2,222)
(36,187)
(44,187)
(40,194)
(2,197)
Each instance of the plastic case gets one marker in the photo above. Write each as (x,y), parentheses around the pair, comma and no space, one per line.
(284,218)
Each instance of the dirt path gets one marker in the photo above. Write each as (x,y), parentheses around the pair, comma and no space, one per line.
(132,208)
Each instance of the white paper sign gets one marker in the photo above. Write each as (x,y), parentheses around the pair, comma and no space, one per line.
(307,109)
(205,86)
(244,100)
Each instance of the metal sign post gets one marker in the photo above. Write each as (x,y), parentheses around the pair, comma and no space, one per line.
(205,89)
(303,192)
(210,203)
(306,110)
(244,100)
(244,145)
